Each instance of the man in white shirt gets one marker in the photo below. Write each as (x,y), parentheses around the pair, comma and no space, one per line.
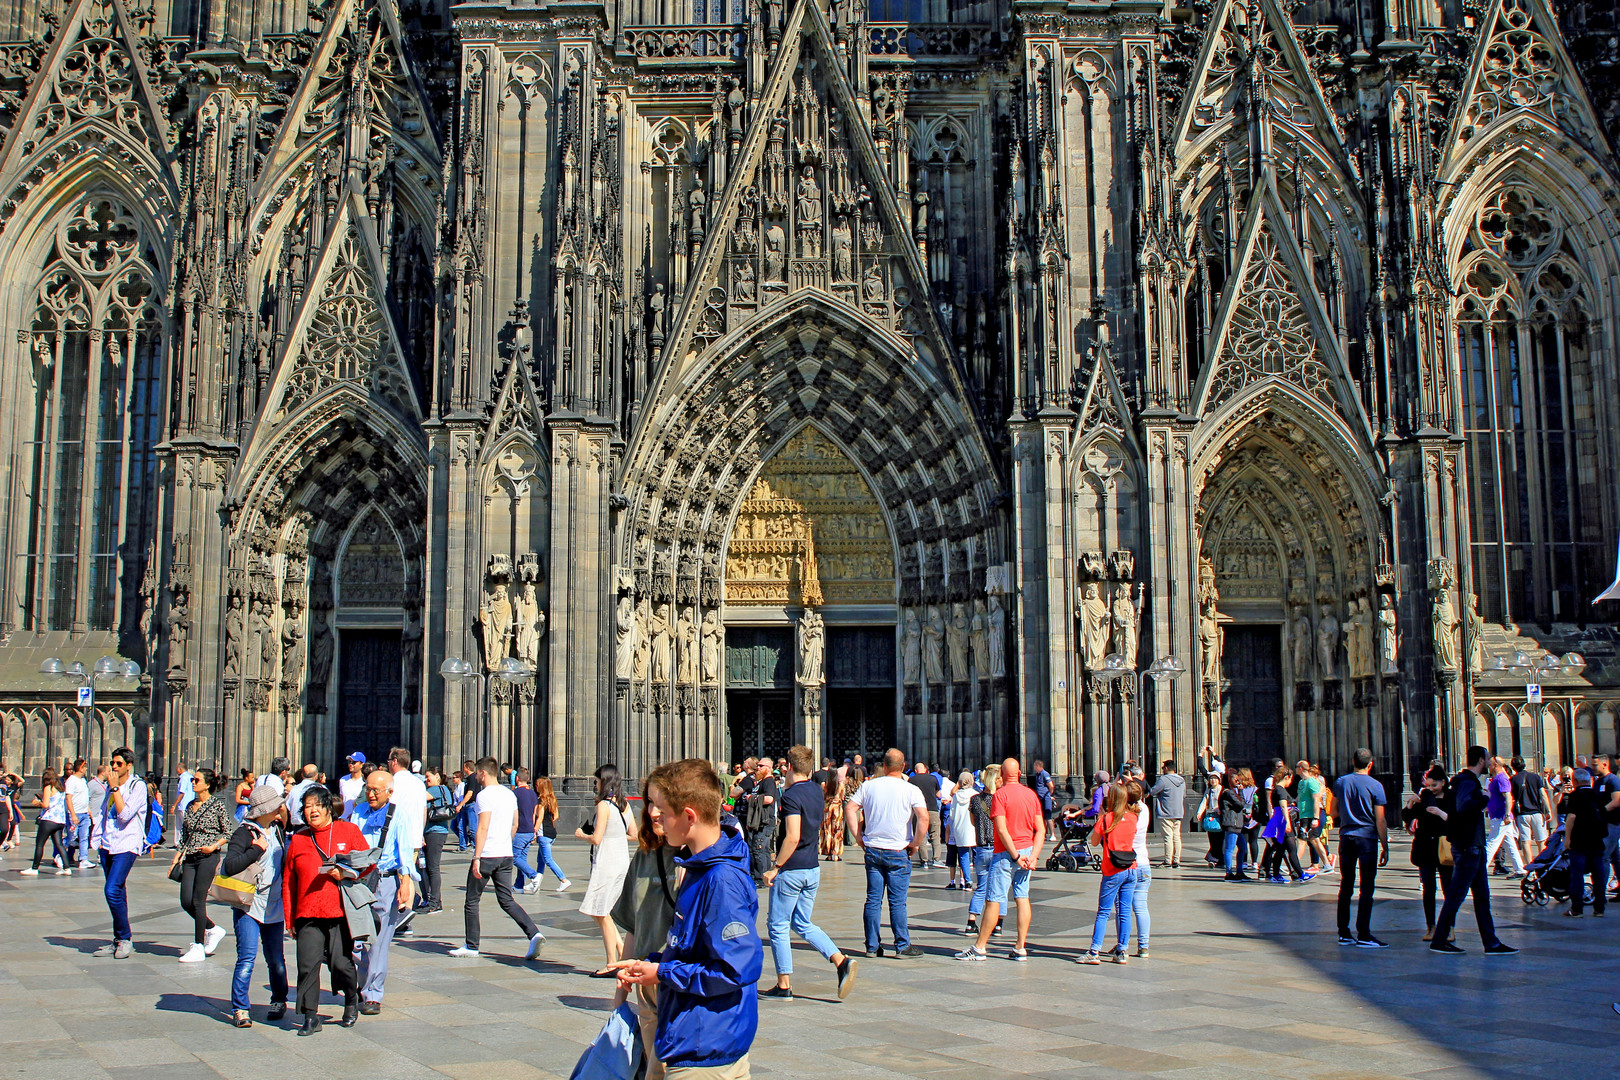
(890,822)
(121,834)
(492,858)
(78,796)
(295,796)
(351,787)
(410,799)
(276,776)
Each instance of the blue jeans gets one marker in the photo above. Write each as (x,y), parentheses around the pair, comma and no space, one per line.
(466,826)
(81,838)
(1234,850)
(520,859)
(115,870)
(250,932)
(889,870)
(793,897)
(981,878)
(1139,903)
(1114,899)
(546,862)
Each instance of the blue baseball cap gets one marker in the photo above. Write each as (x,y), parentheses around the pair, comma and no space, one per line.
(357,757)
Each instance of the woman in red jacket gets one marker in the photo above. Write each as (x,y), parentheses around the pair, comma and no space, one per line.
(313,907)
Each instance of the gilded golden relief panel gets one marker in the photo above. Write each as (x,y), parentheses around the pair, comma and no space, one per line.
(810,532)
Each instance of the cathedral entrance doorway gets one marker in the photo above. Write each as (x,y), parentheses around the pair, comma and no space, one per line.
(1252,701)
(368,692)
(759,690)
(858,717)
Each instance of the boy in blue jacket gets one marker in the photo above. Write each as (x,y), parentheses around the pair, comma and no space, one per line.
(708,1010)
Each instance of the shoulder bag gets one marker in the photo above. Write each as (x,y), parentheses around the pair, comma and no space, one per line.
(240,892)
(1119,859)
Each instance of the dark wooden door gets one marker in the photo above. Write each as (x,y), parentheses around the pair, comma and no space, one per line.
(1252,705)
(368,692)
(858,722)
(760,722)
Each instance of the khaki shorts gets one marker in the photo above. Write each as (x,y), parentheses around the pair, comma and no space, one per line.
(1533,827)
(737,1070)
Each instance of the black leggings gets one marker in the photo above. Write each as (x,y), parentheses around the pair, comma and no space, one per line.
(1435,878)
(48,830)
(196,875)
(432,879)
(1276,852)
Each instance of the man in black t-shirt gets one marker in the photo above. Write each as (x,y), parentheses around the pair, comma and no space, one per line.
(923,781)
(1529,807)
(795,876)
(823,774)
(1585,828)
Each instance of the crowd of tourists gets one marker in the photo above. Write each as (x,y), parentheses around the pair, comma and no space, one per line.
(343,869)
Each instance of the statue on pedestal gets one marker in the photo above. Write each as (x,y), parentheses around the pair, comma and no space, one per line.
(1388,638)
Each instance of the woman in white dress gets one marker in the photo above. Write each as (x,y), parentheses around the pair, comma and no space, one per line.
(611,834)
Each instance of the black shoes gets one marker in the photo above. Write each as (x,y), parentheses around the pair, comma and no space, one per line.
(910,952)
(278,1009)
(846,977)
(312,1024)
(351,1013)
(1346,939)
(370,1008)
(784,992)
(1370,942)
(1500,949)
(1446,948)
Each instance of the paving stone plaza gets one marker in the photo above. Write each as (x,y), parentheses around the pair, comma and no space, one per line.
(1245,981)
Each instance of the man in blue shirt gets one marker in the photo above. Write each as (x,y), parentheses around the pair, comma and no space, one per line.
(1363,845)
(1041,780)
(385,827)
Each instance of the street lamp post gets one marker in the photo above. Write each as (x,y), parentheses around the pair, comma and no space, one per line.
(108,668)
(1161,670)
(511,670)
(1532,671)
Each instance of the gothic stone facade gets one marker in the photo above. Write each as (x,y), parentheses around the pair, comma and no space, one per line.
(694,377)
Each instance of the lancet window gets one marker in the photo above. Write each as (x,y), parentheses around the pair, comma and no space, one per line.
(1525,348)
(94,349)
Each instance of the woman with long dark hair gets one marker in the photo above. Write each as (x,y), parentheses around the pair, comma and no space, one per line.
(645,910)
(1234,811)
(612,829)
(548,833)
(208,827)
(441,810)
(54,817)
(1427,830)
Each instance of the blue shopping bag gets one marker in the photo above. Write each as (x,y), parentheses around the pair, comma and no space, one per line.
(615,1053)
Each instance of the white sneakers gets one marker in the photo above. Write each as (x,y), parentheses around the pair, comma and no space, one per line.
(532,887)
(64,872)
(212,939)
(535,942)
(194,955)
(462,950)
(28,871)
(87,865)
(564,886)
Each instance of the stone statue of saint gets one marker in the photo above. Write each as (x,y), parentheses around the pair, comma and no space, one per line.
(911,649)
(320,650)
(843,266)
(979,627)
(410,646)
(812,648)
(1302,643)
(292,654)
(997,633)
(775,260)
(641,644)
(713,642)
(1388,638)
(1327,645)
(179,631)
(528,624)
(1209,645)
(1125,625)
(268,642)
(958,642)
(1443,617)
(660,639)
(1094,627)
(1476,636)
(495,618)
(934,646)
(1352,639)
(689,647)
(624,643)
(808,207)
(235,628)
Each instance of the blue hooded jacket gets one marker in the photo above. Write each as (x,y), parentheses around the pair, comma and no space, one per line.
(708,1009)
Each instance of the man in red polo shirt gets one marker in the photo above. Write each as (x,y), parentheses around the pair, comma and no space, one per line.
(1020,829)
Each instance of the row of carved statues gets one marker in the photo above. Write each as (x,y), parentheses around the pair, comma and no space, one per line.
(973,638)
(511,627)
(654,644)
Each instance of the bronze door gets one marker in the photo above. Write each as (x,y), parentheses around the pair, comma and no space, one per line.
(369,690)
(1252,704)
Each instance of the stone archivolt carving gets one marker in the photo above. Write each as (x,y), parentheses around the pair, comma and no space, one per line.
(810,505)
(372,573)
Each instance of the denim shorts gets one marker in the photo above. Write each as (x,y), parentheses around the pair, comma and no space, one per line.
(1007,877)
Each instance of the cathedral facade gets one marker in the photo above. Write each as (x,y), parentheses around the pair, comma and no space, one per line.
(580,381)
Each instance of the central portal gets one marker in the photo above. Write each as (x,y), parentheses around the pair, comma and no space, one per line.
(1252,705)
(368,692)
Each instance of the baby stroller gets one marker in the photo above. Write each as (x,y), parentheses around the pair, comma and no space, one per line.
(1547,877)
(1072,852)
